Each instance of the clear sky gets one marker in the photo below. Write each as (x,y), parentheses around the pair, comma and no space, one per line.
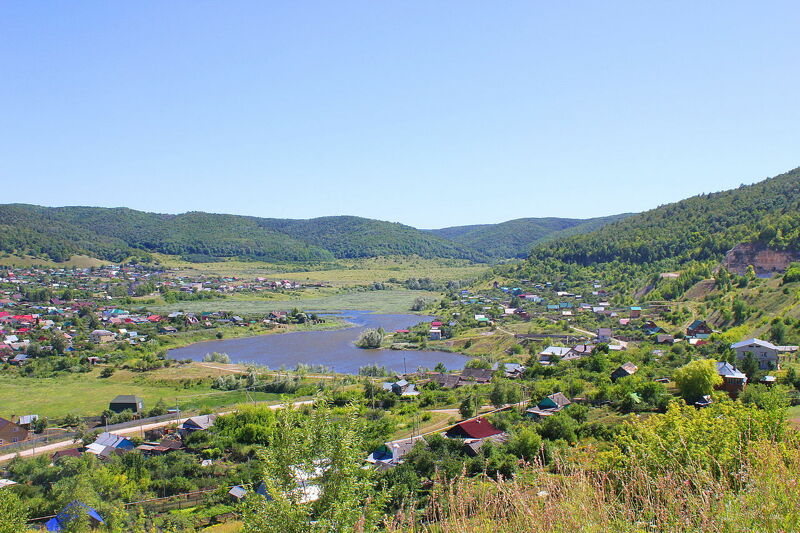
(430,113)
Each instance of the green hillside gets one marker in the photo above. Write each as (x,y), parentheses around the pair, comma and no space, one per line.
(116,233)
(690,237)
(703,227)
(352,237)
(515,238)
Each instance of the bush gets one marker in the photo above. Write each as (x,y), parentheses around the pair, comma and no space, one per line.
(792,273)
(216,357)
(370,339)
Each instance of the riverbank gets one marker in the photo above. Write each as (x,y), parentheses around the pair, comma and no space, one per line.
(187,338)
(333,349)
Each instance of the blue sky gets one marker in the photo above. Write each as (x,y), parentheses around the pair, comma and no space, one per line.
(427,113)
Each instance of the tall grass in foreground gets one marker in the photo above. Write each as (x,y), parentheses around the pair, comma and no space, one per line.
(763,494)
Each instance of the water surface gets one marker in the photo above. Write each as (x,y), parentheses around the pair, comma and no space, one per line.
(334,348)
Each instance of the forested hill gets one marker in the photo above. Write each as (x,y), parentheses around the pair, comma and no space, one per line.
(116,233)
(515,238)
(699,228)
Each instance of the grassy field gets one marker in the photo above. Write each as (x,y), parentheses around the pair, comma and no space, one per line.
(89,394)
(388,301)
(80,261)
(341,272)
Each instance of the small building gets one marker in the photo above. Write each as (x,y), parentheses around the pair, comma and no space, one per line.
(69,452)
(446,381)
(651,328)
(699,329)
(478,375)
(126,402)
(733,381)
(19,359)
(237,493)
(765,353)
(473,447)
(510,370)
(117,442)
(435,334)
(27,421)
(391,453)
(476,428)
(604,334)
(665,338)
(549,406)
(636,312)
(197,423)
(61,521)
(581,350)
(628,369)
(551,353)
(401,388)
(11,432)
(102,336)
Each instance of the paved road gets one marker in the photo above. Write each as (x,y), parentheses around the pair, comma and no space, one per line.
(69,443)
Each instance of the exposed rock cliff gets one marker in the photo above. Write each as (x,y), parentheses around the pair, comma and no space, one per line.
(764,260)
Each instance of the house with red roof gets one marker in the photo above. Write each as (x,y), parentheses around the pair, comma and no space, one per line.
(476,428)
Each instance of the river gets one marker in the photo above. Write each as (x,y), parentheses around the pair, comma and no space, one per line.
(332,348)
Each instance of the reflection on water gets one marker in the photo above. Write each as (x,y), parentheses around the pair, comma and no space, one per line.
(334,349)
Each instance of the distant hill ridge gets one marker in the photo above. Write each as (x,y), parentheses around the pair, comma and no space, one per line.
(515,238)
(113,234)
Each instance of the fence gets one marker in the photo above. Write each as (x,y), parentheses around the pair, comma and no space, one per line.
(167,503)
(42,441)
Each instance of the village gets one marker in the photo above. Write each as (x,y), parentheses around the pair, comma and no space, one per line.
(563,364)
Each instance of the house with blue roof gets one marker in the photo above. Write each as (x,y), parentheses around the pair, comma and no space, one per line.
(114,441)
(72,511)
(733,380)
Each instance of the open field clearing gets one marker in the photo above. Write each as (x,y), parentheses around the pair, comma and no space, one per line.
(339,272)
(326,300)
(89,394)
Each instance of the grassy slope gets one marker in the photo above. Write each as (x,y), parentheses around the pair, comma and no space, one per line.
(76,261)
(769,298)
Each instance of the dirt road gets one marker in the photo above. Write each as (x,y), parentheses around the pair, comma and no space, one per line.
(69,443)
